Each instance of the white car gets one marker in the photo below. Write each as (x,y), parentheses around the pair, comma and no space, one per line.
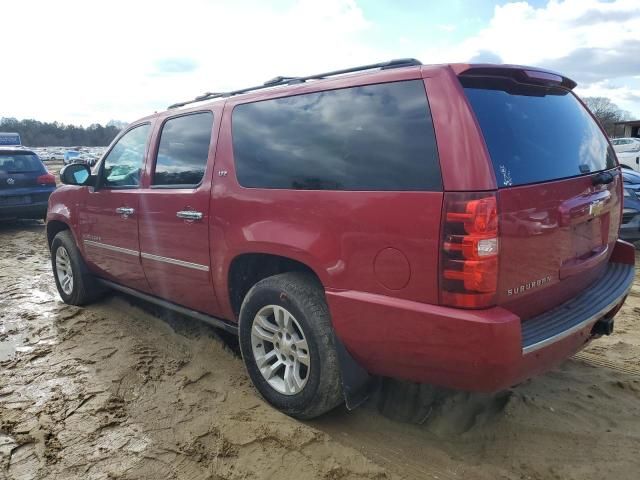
(628,152)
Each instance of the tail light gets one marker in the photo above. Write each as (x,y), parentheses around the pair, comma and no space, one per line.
(46,179)
(469,250)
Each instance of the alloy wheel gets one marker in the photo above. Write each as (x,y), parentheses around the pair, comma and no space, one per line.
(280,349)
(64,271)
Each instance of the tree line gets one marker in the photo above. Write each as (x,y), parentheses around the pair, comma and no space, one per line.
(43,134)
(607,112)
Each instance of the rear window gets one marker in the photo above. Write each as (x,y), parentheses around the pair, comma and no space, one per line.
(536,134)
(374,137)
(19,162)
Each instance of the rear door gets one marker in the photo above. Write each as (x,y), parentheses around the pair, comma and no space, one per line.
(559,196)
(174,218)
(108,217)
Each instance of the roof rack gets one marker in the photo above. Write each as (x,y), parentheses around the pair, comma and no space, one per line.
(277,81)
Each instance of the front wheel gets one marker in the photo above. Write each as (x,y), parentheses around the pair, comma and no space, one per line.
(76,285)
(288,345)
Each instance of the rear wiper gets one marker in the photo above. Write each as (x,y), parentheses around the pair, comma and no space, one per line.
(603,178)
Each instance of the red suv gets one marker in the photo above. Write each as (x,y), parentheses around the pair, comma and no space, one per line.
(450,224)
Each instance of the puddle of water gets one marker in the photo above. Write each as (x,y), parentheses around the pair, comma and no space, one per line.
(25,349)
(10,345)
(20,313)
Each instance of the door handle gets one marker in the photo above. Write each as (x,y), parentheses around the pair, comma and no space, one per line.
(189,215)
(125,211)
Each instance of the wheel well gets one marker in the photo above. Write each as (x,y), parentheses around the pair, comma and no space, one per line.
(53,228)
(248,269)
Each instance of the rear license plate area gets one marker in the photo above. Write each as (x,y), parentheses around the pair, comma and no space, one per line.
(15,200)
(586,237)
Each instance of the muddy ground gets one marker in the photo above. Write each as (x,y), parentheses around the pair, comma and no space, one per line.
(122,390)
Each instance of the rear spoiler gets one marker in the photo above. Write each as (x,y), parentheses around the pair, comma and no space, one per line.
(519,73)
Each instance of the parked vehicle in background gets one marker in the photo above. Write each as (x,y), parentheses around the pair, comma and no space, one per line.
(85,158)
(630,227)
(10,139)
(69,155)
(628,151)
(90,159)
(340,226)
(25,184)
(56,156)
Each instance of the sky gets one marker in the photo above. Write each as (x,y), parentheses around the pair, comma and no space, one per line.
(86,62)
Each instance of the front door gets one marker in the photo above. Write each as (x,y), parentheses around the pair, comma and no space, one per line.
(174,215)
(108,220)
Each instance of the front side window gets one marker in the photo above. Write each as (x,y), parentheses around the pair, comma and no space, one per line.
(183,150)
(373,137)
(123,164)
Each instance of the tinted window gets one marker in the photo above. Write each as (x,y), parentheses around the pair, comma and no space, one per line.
(183,150)
(124,162)
(537,134)
(20,162)
(376,137)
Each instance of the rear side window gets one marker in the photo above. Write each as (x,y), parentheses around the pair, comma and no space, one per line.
(374,137)
(20,162)
(183,150)
(536,134)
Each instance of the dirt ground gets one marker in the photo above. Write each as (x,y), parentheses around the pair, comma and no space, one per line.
(122,390)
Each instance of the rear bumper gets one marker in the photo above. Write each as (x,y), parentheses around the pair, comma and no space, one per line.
(482,350)
(33,210)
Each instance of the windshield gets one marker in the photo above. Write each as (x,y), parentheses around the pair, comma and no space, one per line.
(536,134)
(19,162)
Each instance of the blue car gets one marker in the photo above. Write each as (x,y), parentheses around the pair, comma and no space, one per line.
(69,155)
(630,226)
(25,184)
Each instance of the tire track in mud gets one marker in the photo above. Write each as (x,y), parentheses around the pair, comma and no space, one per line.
(114,390)
(597,361)
(110,391)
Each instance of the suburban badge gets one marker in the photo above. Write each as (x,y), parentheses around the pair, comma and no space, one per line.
(528,286)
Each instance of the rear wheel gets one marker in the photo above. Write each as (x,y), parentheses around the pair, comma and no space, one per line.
(288,345)
(76,285)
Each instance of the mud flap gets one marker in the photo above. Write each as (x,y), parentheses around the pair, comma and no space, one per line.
(357,384)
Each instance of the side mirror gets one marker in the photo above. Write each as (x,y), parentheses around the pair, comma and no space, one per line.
(76,174)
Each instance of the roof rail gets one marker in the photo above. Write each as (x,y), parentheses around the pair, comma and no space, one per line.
(277,81)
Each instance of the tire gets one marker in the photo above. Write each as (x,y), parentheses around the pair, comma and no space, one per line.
(64,253)
(317,387)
